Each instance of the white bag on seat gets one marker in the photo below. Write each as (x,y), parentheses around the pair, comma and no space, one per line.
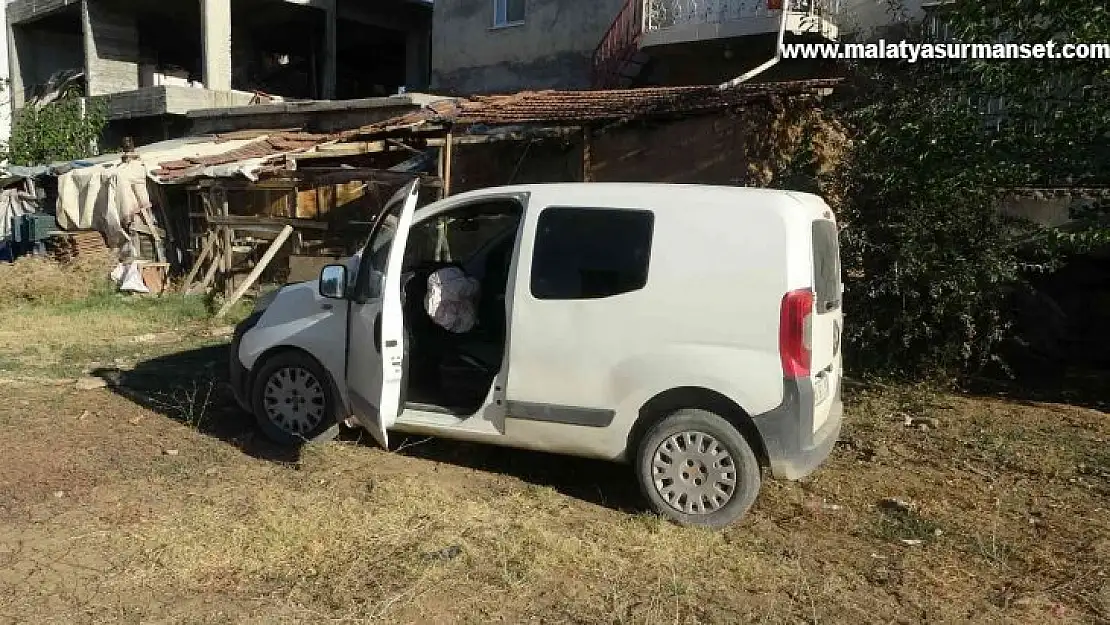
(452,300)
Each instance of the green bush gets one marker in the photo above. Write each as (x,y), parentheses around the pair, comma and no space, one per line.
(931,264)
(63,130)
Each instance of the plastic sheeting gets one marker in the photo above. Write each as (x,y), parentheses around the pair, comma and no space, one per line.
(452,300)
(105,199)
(16,202)
(129,278)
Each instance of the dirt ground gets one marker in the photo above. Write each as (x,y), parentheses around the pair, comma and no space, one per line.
(153,500)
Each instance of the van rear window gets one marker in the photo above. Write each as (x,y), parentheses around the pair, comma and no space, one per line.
(826,265)
(591,253)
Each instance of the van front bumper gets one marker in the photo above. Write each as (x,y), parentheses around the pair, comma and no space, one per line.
(239,377)
(794,450)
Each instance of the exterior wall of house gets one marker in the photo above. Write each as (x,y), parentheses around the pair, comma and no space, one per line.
(111,38)
(715,148)
(553,48)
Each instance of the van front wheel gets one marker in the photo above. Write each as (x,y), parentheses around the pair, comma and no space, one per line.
(695,468)
(293,401)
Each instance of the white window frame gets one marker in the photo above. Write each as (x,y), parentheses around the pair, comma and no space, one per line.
(501,14)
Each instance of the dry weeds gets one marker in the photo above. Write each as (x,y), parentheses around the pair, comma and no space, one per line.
(45,281)
(99,524)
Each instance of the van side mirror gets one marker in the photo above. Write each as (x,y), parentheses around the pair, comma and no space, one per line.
(333,282)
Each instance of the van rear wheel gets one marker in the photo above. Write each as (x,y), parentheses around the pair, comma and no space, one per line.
(695,468)
(293,400)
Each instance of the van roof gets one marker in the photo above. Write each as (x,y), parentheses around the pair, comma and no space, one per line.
(657,192)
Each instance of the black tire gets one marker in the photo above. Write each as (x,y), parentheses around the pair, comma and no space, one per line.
(325,430)
(705,428)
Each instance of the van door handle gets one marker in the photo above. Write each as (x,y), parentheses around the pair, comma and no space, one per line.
(378,333)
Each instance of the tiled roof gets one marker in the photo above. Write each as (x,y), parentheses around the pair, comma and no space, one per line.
(528,107)
(564,107)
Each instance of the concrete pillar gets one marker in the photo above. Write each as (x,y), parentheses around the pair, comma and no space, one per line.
(331,16)
(16,86)
(418,44)
(215,17)
(111,49)
(6,101)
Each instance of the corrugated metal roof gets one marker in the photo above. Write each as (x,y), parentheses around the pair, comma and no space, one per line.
(563,107)
(274,145)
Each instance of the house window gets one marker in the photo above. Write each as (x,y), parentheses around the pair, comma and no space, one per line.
(590,253)
(508,12)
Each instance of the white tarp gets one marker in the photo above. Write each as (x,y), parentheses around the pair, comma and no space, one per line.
(105,199)
(106,195)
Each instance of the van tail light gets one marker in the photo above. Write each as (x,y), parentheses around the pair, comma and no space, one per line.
(774,5)
(794,319)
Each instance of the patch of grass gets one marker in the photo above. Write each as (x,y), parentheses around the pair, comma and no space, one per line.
(166,310)
(899,525)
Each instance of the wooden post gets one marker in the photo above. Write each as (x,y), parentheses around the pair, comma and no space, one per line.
(257,271)
(227,236)
(587,155)
(448,151)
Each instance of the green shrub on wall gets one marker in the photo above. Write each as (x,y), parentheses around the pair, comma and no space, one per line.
(66,129)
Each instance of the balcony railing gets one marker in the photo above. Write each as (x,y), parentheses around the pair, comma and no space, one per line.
(621,44)
(808,14)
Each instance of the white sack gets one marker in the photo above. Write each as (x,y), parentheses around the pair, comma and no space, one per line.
(129,278)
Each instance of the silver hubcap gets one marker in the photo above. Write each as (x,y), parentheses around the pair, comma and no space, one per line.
(294,400)
(694,473)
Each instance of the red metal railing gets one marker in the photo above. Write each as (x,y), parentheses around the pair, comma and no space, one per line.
(619,45)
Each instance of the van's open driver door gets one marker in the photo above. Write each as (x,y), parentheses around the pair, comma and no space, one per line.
(376,338)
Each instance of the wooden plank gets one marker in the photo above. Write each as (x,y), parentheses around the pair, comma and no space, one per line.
(247,221)
(447,160)
(217,260)
(257,271)
(209,245)
(229,261)
(307,204)
(325,200)
(348,192)
(150,231)
(336,150)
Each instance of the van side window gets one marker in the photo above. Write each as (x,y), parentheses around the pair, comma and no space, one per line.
(590,253)
(826,266)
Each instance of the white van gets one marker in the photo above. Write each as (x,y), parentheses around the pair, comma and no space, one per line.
(692,331)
